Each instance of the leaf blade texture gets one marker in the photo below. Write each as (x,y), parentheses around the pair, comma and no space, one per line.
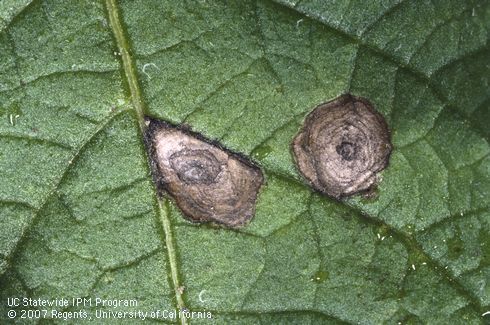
(78,211)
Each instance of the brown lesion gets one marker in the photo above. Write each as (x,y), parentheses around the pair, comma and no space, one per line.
(342,146)
(195,166)
(207,182)
(347,150)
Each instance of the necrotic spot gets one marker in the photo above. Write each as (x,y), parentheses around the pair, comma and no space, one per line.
(208,183)
(346,150)
(342,146)
(195,166)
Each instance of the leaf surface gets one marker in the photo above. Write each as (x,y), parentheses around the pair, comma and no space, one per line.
(79,216)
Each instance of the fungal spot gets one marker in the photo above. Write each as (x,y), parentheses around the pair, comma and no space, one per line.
(347,150)
(207,182)
(195,166)
(342,146)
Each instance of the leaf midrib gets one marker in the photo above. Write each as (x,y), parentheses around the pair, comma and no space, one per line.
(129,70)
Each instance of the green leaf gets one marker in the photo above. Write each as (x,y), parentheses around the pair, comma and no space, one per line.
(79,215)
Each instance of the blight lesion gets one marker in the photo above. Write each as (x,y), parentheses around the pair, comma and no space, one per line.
(207,182)
(342,146)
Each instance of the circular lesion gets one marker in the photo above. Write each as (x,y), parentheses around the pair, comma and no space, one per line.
(347,150)
(342,145)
